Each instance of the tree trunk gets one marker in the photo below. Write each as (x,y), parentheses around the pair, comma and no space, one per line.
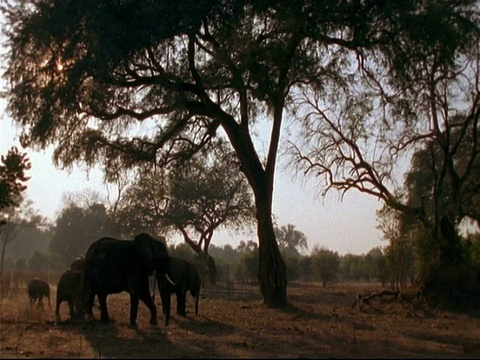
(451,280)
(4,246)
(212,269)
(272,271)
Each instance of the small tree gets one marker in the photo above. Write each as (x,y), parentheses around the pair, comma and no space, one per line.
(204,194)
(325,264)
(400,234)
(38,265)
(76,228)
(13,168)
(246,267)
(290,240)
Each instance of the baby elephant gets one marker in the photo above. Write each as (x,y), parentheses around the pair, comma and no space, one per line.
(186,278)
(69,289)
(37,289)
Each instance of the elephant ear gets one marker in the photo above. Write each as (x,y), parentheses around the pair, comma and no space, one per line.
(152,253)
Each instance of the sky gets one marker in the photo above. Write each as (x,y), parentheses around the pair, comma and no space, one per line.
(344,226)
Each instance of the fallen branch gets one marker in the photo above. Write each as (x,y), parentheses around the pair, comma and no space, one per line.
(400,296)
(361,299)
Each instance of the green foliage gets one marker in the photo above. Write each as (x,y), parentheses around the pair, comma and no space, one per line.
(305,265)
(76,228)
(354,268)
(21,264)
(325,264)
(378,265)
(290,241)
(38,263)
(13,168)
(293,266)
(56,263)
(9,263)
(182,251)
(223,268)
(245,268)
(227,253)
(30,236)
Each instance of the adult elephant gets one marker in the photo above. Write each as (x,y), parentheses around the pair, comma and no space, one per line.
(186,278)
(114,265)
(69,290)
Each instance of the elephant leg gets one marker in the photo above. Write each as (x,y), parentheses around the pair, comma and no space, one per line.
(166,304)
(40,302)
(165,296)
(77,308)
(133,311)
(147,300)
(57,311)
(102,300)
(71,309)
(181,303)
(89,305)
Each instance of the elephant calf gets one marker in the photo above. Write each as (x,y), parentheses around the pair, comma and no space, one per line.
(37,289)
(186,277)
(69,289)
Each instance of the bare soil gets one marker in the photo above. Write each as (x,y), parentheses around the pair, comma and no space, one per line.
(319,323)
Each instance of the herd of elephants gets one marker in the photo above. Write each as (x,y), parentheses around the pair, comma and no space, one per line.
(112,266)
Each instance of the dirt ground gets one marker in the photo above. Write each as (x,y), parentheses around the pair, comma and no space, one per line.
(320,323)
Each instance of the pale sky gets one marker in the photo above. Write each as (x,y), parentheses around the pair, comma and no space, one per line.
(347,226)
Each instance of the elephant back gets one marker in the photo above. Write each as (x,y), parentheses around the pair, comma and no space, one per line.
(78,264)
(152,253)
(70,280)
(38,287)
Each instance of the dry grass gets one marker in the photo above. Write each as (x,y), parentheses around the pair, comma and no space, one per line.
(320,323)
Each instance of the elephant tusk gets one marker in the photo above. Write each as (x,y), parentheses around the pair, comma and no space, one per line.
(170,280)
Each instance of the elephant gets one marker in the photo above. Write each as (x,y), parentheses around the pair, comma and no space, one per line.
(114,265)
(186,277)
(78,264)
(69,289)
(37,289)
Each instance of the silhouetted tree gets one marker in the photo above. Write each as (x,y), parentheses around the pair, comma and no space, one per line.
(424,102)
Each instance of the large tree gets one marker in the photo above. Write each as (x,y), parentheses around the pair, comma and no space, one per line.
(84,72)
(427,103)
